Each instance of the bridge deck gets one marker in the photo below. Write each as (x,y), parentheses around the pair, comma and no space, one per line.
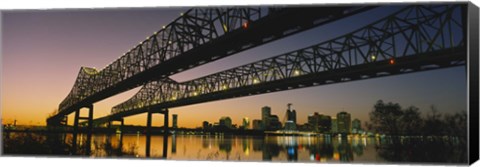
(351,57)
(285,22)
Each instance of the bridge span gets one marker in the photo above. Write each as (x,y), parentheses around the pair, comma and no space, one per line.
(416,38)
(198,36)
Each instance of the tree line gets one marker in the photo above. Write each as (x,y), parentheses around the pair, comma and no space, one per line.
(391,119)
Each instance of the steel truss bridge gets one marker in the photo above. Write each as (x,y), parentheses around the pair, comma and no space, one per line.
(198,36)
(415,38)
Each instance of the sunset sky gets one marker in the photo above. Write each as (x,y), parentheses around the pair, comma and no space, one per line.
(43,50)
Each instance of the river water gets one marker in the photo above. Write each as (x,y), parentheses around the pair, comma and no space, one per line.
(313,149)
(245,148)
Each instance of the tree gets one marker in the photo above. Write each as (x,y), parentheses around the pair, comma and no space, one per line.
(385,118)
(456,124)
(391,119)
(433,123)
(411,121)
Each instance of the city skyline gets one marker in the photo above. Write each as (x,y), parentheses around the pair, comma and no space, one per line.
(77,39)
(286,122)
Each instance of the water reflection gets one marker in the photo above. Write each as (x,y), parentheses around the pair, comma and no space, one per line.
(174,144)
(321,152)
(242,148)
(427,150)
(225,145)
(148,146)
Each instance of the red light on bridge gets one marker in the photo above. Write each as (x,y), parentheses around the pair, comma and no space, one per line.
(245,25)
(392,61)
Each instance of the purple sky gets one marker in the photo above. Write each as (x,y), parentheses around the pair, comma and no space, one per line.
(43,50)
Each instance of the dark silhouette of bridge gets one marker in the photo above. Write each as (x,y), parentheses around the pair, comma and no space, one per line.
(198,36)
(415,38)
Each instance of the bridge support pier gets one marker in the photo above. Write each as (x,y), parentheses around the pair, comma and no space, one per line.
(110,122)
(165,133)
(120,144)
(89,130)
(174,144)
(122,123)
(76,129)
(149,132)
(64,128)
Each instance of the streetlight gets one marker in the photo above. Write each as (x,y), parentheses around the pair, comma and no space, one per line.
(296,72)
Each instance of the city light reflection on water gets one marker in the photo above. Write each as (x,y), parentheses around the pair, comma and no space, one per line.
(250,148)
(259,148)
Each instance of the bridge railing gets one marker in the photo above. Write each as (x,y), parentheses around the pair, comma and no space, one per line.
(412,31)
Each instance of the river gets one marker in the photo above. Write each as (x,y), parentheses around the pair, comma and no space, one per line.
(327,149)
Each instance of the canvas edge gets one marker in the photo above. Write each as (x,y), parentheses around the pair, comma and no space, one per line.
(473,81)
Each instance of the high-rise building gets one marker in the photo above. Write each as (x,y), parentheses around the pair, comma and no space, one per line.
(320,123)
(205,125)
(344,122)
(291,114)
(258,125)
(313,121)
(225,122)
(246,123)
(334,125)
(290,126)
(266,112)
(325,123)
(174,121)
(356,126)
(275,123)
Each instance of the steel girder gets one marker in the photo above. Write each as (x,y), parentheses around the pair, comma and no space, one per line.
(176,46)
(192,29)
(415,38)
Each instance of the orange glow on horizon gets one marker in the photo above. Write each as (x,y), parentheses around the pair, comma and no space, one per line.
(39,69)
